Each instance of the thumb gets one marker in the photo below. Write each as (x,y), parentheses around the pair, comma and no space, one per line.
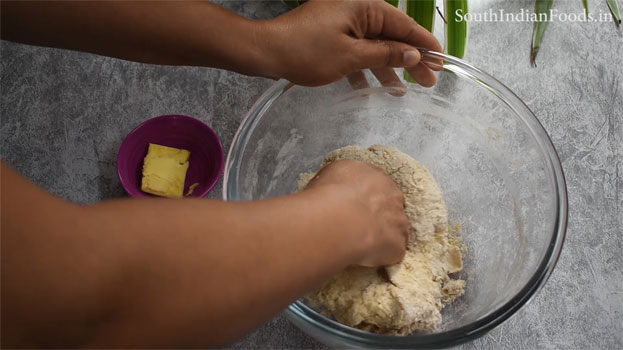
(385,53)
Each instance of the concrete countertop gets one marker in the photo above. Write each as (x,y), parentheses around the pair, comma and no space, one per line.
(64,115)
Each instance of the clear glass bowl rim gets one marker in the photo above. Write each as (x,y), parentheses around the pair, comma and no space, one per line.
(300,312)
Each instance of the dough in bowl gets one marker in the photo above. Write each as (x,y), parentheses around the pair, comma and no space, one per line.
(408,296)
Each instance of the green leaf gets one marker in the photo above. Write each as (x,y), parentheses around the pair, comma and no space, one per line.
(542,9)
(614,9)
(585,3)
(423,12)
(456,27)
(393,2)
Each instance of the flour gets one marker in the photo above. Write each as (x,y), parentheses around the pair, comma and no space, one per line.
(408,296)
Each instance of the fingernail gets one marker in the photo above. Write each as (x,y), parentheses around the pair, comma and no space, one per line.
(411,58)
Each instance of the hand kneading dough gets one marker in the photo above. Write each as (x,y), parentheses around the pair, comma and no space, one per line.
(408,296)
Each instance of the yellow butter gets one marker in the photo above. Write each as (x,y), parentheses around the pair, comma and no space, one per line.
(164,171)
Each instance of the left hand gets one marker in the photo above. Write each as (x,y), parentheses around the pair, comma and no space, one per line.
(324,41)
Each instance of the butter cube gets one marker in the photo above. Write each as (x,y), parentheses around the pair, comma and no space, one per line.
(164,171)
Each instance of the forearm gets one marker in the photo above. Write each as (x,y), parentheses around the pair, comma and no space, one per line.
(159,272)
(315,44)
(209,271)
(195,33)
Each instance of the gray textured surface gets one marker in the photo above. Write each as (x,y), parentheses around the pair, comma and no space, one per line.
(64,114)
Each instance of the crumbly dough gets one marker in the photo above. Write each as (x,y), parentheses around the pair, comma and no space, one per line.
(408,296)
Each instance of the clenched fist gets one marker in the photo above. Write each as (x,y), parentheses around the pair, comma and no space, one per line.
(377,204)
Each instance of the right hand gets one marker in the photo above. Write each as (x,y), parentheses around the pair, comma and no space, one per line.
(323,41)
(378,207)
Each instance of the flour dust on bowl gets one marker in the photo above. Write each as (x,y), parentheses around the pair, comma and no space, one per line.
(495,165)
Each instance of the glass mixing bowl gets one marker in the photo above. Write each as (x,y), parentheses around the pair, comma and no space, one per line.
(498,171)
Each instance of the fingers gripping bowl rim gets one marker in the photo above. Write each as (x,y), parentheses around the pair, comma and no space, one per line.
(489,103)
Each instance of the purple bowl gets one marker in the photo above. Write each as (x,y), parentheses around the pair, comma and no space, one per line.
(179,131)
